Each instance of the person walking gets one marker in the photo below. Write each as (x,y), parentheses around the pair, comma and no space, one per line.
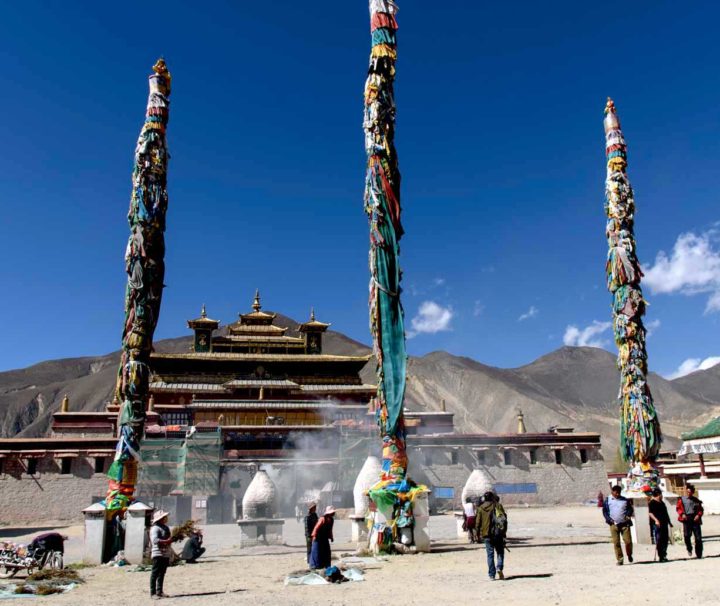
(660,518)
(160,544)
(311,519)
(322,534)
(690,511)
(490,528)
(298,513)
(469,519)
(618,513)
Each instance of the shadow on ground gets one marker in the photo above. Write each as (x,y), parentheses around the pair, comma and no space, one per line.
(515,577)
(10,532)
(202,594)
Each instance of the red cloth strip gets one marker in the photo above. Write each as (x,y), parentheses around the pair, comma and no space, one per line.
(382,20)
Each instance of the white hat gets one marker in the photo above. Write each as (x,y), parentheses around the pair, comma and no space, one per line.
(328,511)
(159,515)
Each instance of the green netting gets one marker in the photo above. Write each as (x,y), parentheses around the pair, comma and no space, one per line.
(188,466)
(202,463)
(162,465)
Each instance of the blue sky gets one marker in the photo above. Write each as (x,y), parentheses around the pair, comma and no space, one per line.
(501,145)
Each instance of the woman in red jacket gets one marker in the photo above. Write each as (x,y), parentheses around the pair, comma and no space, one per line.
(321,537)
(690,511)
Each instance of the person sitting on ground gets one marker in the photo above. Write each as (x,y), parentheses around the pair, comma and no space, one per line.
(44,545)
(311,519)
(193,548)
(469,518)
(618,513)
(490,527)
(660,518)
(160,542)
(690,511)
(322,534)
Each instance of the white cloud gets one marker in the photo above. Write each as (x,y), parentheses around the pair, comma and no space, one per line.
(438,281)
(694,364)
(651,327)
(431,318)
(692,268)
(478,308)
(530,313)
(588,336)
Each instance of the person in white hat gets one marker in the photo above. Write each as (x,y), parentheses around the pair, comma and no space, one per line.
(321,536)
(160,542)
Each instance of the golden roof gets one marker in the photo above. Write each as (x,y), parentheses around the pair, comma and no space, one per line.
(203,319)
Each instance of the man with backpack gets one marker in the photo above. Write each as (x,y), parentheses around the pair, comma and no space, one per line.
(491,528)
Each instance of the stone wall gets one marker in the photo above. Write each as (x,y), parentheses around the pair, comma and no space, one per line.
(570,481)
(48,495)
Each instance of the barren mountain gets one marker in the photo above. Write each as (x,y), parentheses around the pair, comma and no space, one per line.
(573,386)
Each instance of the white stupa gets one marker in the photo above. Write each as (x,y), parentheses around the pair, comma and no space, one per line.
(369,476)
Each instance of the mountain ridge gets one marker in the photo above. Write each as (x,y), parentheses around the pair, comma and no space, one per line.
(571,386)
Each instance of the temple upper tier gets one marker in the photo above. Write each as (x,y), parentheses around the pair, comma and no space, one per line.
(255,333)
(253,360)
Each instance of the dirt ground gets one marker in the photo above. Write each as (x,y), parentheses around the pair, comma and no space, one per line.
(558,556)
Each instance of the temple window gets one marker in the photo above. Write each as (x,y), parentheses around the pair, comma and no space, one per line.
(507,457)
(583,456)
(558,457)
(99,464)
(453,457)
(65,466)
(533,456)
(31,466)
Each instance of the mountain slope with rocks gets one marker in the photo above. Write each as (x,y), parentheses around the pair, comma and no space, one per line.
(572,386)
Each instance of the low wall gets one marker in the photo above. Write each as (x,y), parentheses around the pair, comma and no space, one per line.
(48,495)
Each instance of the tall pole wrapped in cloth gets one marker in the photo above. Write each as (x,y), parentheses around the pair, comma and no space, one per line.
(394,493)
(640,434)
(145,267)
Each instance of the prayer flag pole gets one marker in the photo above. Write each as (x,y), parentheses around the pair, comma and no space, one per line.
(394,493)
(145,267)
(640,435)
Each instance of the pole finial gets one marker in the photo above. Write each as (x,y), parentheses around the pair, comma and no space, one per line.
(160,68)
(256,303)
(203,312)
(312,314)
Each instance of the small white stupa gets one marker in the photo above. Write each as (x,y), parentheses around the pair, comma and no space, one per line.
(369,476)
(259,524)
(260,497)
(477,485)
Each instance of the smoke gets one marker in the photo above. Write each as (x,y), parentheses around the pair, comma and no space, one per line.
(317,465)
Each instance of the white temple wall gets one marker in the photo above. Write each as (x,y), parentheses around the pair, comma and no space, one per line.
(517,480)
